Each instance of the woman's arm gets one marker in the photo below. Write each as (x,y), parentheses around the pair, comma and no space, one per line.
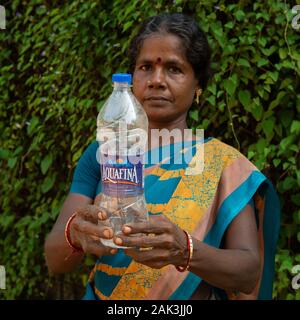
(56,247)
(86,230)
(234,267)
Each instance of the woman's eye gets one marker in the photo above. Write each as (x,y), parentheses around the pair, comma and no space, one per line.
(145,67)
(174,70)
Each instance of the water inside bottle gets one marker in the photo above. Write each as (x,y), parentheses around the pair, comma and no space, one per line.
(132,213)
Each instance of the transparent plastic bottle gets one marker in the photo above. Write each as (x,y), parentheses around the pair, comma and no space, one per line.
(122,128)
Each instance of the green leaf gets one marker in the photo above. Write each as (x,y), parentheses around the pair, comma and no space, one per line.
(243,62)
(32,125)
(262,62)
(262,41)
(295,127)
(100,104)
(261,145)
(286,265)
(41,10)
(282,53)
(76,155)
(277,101)
(87,103)
(48,184)
(212,88)
(268,127)
(240,15)
(4,154)
(211,100)
(194,114)
(274,75)
(251,154)
(229,25)
(288,183)
(244,97)
(205,123)
(276,162)
(230,85)
(269,51)
(46,163)
(18,150)
(257,110)
(286,142)
(12,162)
(286,117)
(127,25)
(221,106)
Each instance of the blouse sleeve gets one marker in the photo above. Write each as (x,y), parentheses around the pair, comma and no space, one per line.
(87,173)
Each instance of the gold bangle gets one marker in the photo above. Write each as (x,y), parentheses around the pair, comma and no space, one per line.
(191,247)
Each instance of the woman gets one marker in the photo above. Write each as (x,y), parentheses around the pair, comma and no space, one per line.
(214,232)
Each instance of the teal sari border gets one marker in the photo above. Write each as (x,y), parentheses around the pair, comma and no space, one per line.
(89,293)
(272,207)
(229,209)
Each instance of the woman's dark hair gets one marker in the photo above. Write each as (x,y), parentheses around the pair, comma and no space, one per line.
(192,37)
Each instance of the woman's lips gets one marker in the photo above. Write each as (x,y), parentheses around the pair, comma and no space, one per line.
(157,100)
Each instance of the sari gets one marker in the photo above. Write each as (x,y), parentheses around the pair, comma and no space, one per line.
(203,204)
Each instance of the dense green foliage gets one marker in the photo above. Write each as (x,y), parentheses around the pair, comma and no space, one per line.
(56,59)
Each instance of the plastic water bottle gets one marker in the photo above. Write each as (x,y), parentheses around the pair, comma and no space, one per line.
(122,128)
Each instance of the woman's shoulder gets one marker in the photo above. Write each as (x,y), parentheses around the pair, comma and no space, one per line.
(89,155)
(216,148)
(221,147)
(91,149)
(93,146)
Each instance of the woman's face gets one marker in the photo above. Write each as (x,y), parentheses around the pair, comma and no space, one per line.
(164,81)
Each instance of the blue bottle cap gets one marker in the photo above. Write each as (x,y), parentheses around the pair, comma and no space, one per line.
(122,77)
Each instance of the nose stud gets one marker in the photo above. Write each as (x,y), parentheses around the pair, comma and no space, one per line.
(149,82)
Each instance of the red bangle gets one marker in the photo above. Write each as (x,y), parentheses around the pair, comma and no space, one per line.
(190,249)
(67,235)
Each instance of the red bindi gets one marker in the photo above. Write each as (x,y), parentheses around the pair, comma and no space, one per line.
(158,61)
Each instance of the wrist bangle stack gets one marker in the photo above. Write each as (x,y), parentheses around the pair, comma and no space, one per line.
(67,235)
(190,249)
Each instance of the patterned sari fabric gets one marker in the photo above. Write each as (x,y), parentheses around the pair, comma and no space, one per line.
(204,203)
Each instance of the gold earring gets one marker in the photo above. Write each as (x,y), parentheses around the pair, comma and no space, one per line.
(198,94)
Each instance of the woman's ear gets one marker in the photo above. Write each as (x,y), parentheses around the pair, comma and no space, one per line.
(198,93)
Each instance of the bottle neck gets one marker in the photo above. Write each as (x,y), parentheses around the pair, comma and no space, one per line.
(121,86)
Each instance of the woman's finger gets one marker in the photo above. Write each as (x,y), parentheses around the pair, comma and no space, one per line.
(162,241)
(92,229)
(92,213)
(98,249)
(156,225)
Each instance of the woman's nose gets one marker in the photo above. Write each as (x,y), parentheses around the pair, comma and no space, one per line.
(157,79)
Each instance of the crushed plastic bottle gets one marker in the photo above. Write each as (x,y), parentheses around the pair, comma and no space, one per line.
(122,131)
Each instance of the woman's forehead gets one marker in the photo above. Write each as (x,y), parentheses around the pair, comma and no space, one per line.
(157,48)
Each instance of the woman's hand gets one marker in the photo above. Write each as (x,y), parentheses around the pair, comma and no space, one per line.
(88,227)
(166,242)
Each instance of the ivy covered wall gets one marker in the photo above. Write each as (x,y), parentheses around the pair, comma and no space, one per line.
(56,60)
